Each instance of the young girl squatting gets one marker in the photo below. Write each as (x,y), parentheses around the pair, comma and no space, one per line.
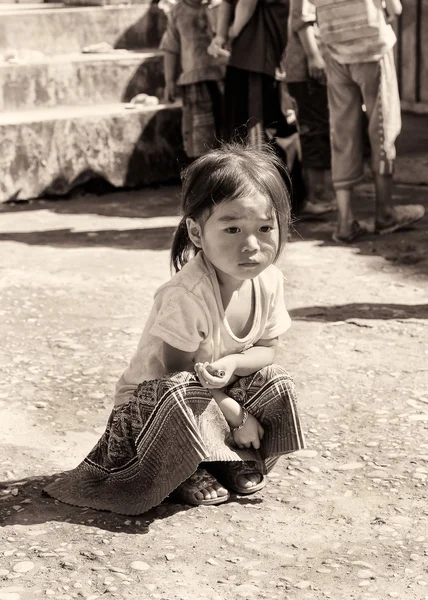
(202,410)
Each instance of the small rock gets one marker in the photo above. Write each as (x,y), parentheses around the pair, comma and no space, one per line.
(303,585)
(139,565)
(246,588)
(255,573)
(365,574)
(169,556)
(415,557)
(213,561)
(349,466)
(23,567)
(96,395)
(40,404)
(305,453)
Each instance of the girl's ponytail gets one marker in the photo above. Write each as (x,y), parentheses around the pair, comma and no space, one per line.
(181,246)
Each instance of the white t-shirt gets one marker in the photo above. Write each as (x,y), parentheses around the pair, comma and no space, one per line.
(188,314)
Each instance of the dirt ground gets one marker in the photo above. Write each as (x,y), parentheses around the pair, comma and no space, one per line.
(345,519)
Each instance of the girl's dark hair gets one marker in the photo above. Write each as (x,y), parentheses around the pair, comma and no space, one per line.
(224,174)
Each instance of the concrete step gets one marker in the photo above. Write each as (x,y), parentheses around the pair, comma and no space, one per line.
(39,4)
(49,151)
(80,79)
(65,29)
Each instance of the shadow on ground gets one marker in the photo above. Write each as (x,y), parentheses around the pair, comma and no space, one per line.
(158,238)
(153,201)
(405,248)
(363,311)
(32,506)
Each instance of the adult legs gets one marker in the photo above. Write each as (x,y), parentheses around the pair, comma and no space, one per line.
(345,101)
(379,88)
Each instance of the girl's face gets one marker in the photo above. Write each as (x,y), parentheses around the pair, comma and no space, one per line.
(240,238)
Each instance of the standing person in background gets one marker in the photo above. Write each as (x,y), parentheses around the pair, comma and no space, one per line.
(256,31)
(357,41)
(199,75)
(306,83)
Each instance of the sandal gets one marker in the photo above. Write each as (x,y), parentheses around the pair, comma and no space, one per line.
(231,471)
(402,216)
(357,231)
(200,480)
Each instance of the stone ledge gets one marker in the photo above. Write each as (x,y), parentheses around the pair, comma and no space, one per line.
(52,31)
(52,151)
(80,79)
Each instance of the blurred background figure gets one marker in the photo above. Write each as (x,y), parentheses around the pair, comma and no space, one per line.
(255,33)
(306,83)
(198,75)
(357,42)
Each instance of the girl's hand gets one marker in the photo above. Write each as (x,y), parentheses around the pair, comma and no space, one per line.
(218,374)
(251,434)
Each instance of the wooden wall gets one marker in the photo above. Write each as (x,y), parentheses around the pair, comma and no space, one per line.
(412,55)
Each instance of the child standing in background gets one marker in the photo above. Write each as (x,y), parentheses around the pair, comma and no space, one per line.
(307,84)
(357,43)
(201,410)
(199,75)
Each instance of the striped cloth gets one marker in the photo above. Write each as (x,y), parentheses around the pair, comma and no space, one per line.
(354,30)
(157,440)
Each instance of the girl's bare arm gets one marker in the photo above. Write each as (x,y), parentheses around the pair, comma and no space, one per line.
(263,353)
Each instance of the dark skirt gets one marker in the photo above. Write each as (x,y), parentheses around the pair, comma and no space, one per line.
(252,108)
(156,441)
(314,126)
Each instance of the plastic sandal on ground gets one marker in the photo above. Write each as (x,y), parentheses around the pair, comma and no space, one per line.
(403,216)
(356,232)
(200,480)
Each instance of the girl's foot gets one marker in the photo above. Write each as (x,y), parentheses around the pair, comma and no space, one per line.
(245,477)
(201,489)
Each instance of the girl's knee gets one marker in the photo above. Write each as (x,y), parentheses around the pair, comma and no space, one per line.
(275,371)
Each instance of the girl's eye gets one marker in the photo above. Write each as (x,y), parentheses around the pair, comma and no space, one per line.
(266,229)
(232,230)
